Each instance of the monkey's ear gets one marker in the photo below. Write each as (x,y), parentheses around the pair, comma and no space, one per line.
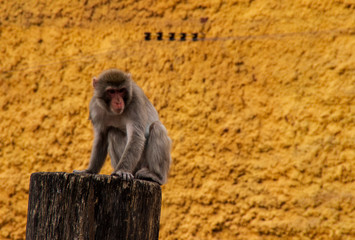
(94,81)
(129,75)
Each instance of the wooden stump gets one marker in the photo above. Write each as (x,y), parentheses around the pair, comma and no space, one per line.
(85,206)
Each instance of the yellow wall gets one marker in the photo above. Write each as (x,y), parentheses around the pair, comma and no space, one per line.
(263,122)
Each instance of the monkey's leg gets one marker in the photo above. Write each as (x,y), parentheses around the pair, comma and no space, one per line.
(117,141)
(155,163)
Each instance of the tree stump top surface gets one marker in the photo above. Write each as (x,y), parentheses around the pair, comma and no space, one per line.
(98,178)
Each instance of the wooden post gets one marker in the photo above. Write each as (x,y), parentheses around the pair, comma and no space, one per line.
(85,206)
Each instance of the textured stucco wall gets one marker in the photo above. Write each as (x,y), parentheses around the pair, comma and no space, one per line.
(263,122)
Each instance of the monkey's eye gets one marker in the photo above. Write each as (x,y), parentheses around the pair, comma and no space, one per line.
(122,90)
(111,91)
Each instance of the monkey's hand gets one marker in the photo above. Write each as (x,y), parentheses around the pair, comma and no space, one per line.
(83,171)
(123,175)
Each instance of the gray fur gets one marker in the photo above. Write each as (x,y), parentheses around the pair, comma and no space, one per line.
(137,142)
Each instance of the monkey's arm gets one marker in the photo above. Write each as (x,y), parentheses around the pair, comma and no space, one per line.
(98,153)
(132,152)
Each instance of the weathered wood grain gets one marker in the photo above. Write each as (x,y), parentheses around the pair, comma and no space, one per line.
(73,206)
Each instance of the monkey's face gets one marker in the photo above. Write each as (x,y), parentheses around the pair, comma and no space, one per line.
(114,90)
(116,99)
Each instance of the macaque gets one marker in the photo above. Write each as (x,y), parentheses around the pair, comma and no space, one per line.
(127,126)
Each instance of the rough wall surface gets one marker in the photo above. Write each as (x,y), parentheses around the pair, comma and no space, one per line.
(261,113)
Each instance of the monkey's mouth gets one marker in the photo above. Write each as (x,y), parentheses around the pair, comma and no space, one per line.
(118,105)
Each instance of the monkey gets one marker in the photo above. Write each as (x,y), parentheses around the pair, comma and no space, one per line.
(127,127)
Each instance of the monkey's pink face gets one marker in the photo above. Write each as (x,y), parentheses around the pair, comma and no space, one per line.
(117,96)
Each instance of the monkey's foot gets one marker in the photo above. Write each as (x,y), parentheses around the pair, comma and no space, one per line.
(123,175)
(147,175)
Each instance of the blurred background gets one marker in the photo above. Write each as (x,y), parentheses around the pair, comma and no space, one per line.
(261,109)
